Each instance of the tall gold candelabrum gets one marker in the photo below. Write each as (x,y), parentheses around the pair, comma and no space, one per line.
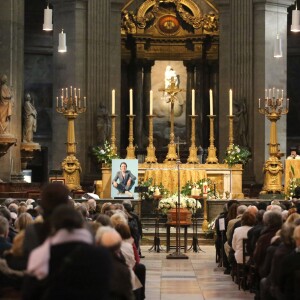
(273,109)
(71,105)
(212,156)
(150,158)
(114,148)
(193,158)
(172,91)
(230,136)
(130,149)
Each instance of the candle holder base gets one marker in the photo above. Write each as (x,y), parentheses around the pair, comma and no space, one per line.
(212,157)
(193,158)
(172,155)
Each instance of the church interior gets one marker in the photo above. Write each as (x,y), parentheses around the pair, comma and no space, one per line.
(190,99)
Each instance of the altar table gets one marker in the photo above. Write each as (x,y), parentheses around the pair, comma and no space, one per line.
(168,175)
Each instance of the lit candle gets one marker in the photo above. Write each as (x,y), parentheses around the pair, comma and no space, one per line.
(84,101)
(277,94)
(62,101)
(282,94)
(75,92)
(211,105)
(75,100)
(269,93)
(56,101)
(151,103)
(66,92)
(71,91)
(113,101)
(259,103)
(273,93)
(62,92)
(79,93)
(230,102)
(266,93)
(130,102)
(193,102)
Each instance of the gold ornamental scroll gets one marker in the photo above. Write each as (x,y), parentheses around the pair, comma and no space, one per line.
(168,176)
(289,165)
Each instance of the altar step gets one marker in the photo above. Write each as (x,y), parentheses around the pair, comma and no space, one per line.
(149,233)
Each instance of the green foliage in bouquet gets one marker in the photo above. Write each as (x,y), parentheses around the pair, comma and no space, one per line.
(105,153)
(237,155)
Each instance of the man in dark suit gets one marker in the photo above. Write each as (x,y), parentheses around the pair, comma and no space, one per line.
(124,180)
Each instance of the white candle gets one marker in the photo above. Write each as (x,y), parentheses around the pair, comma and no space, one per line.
(259,103)
(193,102)
(66,92)
(282,94)
(211,103)
(56,101)
(230,102)
(266,93)
(273,93)
(62,101)
(130,102)
(270,96)
(75,92)
(62,92)
(113,101)
(75,100)
(84,102)
(71,91)
(79,93)
(151,103)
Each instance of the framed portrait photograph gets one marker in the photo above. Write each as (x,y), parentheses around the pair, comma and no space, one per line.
(124,178)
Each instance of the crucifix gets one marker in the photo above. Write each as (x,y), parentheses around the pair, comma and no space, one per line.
(172,90)
(178,143)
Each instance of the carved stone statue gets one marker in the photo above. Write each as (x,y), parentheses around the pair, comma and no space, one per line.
(6,104)
(103,124)
(241,123)
(30,116)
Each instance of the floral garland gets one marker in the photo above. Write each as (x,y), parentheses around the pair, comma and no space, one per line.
(153,190)
(237,155)
(105,154)
(166,204)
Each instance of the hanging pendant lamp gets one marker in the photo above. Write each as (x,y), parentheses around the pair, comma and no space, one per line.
(62,47)
(48,26)
(295,27)
(278,46)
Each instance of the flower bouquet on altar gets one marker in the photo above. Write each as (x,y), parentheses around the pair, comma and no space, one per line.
(105,153)
(153,190)
(237,155)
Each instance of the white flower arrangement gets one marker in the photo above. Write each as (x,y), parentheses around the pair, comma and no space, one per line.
(166,204)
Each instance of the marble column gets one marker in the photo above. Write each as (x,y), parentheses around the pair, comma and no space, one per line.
(11,64)
(247,34)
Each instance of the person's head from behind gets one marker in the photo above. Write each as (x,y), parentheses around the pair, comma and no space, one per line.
(272,219)
(66,217)
(123,230)
(127,205)
(4,227)
(248,218)
(53,195)
(104,220)
(286,234)
(23,220)
(109,238)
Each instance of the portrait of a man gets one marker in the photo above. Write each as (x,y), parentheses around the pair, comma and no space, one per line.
(124,180)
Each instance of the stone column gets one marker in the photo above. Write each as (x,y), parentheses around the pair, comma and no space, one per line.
(70,70)
(146,97)
(138,106)
(190,84)
(11,64)
(247,35)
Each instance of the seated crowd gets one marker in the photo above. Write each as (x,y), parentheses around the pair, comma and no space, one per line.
(259,246)
(57,248)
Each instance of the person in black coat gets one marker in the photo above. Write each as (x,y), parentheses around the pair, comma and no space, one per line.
(68,265)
